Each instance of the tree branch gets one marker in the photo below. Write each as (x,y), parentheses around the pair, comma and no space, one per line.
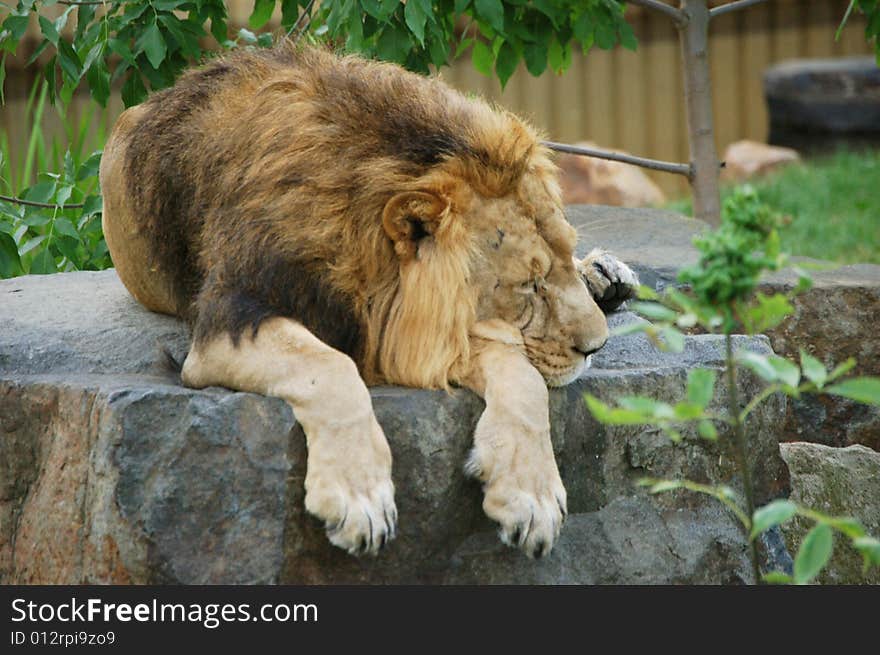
(43,205)
(653,164)
(83,3)
(677,15)
(732,6)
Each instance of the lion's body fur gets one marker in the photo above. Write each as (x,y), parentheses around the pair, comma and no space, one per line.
(259,181)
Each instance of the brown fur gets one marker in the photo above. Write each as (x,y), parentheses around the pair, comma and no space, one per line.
(332,190)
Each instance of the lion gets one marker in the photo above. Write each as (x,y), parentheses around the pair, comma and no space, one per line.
(325,223)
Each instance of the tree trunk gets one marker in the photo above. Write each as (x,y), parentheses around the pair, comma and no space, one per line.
(698,97)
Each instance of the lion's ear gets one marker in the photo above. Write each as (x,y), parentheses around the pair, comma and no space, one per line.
(410,217)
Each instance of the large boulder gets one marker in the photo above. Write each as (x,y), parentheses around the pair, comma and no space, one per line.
(839,482)
(835,320)
(110,471)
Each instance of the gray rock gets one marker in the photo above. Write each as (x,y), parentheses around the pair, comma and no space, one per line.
(111,472)
(835,320)
(839,482)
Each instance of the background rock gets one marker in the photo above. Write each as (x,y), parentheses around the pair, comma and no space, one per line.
(590,180)
(819,104)
(112,472)
(745,160)
(840,482)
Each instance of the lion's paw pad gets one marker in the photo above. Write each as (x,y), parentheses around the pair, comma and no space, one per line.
(611,282)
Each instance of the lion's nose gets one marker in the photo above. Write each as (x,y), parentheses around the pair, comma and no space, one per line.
(586,351)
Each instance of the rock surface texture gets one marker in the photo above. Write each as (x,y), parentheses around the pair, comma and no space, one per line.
(840,482)
(110,471)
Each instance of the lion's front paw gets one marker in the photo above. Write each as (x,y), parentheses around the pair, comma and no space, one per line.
(610,281)
(522,491)
(349,487)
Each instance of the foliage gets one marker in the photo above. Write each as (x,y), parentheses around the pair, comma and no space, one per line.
(153,40)
(65,234)
(722,298)
(830,206)
(871,9)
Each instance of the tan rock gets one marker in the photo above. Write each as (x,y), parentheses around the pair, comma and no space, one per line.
(745,160)
(593,181)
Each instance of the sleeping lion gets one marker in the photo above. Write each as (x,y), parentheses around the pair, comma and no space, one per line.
(326,223)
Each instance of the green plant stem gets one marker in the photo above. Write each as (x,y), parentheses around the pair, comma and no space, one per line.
(740,448)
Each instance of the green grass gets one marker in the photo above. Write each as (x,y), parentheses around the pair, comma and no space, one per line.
(832,206)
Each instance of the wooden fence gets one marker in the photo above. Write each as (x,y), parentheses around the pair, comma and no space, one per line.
(619,99)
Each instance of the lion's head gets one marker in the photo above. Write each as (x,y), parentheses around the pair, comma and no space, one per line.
(481,243)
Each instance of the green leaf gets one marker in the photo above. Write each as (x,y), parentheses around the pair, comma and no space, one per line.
(786,372)
(10,263)
(814,553)
(613,416)
(492,11)
(152,44)
(647,293)
(766,312)
(89,168)
(654,311)
(482,58)
(43,264)
(30,244)
(98,78)
(606,35)
(758,364)
(777,577)
(674,339)
(701,386)
(627,37)
(47,27)
(535,56)
(772,514)
(41,192)
(65,227)
(133,91)
(121,48)
(869,547)
(555,55)
(687,411)
(261,14)
(647,406)
(863,389)
(842,368)
(505,64)
(813,369)
(415,14)
(849,526)
(707,430)
(393,44)
(631,328)
(69,61)
(460,6)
